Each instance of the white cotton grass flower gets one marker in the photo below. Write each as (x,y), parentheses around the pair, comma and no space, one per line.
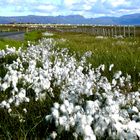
(56,105)
(114,82)
(25,110)
(70,108)
(47,34)
(42,97)
(102,67)
(66,103)
(72,121)
(117,75)
(2,53)
(110,67)
(22,93)
(63,120)
(92,107)
(135,109)
(53,135)
(75,135)
(9,110)
(55,113)
(88,103)
(89,135)
(10,50)
(63,108)
(88,54)
(48,117)
(4,86)
(4,104)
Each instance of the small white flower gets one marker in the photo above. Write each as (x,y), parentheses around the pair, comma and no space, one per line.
(102,67)
(135,109)
(70,108)
(72,121)
(63,120)
(7,106)
(75,135)
(9,110)
(4,86)
(48,117)
(11,100)
(3,103)
(17,103)
(66,103)
(63,108)
(25,110)
(27,100)
(55,113)
(117,75)
(56,105)
(111,66)
(53,135)
(22,93)
(114,82)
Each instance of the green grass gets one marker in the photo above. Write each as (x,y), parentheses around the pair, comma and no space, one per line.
(10,43)
(123,53)
(33,36)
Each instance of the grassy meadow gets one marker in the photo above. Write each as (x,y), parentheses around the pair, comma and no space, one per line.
(124,53)
(48,90)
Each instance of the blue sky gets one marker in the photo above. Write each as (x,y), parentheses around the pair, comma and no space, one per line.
(87,8)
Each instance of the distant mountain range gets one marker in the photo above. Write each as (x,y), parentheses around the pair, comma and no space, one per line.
(133,19)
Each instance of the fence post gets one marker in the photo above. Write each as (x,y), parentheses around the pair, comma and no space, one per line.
(27,30)
(103,32)
(120,30)
(93,31)
(109,32)
(129,31)
(116,30)
(134,31)
(124,31)
(112,32)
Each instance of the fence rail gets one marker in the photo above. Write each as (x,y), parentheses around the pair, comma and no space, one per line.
(109,31)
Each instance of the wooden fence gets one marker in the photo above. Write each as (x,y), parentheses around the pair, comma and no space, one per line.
(109,31)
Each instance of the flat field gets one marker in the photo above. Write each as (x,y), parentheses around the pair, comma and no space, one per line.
(71,86)
(124,53)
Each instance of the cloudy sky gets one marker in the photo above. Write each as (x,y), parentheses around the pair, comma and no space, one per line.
(87,8)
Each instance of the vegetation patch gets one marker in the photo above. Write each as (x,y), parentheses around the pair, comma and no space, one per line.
(70,87)
(123,53)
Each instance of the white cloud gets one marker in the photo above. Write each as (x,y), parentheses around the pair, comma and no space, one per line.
(91,1)
(87,8)
(69,2)
(46,7)
(116,3)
